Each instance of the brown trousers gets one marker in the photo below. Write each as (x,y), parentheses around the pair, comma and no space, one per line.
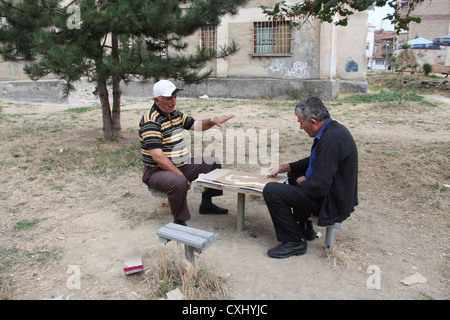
(175,185)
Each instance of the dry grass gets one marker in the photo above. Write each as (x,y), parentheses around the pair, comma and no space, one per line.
(26,266)
(197,281)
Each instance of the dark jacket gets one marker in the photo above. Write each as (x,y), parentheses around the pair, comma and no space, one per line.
(335,174)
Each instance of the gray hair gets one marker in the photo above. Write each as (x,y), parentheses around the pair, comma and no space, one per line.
(312,108)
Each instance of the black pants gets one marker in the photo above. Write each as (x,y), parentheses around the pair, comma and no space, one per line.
(288,206)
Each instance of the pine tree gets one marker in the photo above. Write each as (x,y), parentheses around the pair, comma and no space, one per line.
(109,41)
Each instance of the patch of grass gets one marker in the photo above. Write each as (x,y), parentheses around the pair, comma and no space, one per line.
(44,256)
(15,264)
(136,217)
(387,96)
(82,109)
(18,207)
(101,160)
(196,282)
(25,224)
(426,296)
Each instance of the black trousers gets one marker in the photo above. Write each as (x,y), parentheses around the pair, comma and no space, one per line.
(289,206)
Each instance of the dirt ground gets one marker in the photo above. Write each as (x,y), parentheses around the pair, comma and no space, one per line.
(86,212)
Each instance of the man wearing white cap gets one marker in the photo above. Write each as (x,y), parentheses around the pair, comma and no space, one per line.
(168,165)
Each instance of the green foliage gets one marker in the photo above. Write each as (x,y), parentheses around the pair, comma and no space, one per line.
(427,68)
(25,224)
(339,11)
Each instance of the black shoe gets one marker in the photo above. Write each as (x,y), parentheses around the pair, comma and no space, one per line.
(308,230)
(288,249)
(180,222)
(212,210)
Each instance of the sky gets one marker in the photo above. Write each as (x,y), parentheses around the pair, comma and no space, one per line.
(376,17)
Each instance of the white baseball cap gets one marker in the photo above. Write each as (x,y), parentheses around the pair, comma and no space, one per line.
(164,88)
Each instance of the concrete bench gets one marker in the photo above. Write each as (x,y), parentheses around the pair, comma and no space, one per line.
(194,240)
(159,194)
(329,237)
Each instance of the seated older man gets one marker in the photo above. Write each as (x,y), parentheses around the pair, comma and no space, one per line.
(168,164)
(323,184)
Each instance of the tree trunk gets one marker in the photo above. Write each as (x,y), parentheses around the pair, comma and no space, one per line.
(111,120)
(106,110)
(401,86)
(117,93)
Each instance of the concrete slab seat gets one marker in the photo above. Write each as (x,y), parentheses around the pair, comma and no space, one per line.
(159,194)
(194,240)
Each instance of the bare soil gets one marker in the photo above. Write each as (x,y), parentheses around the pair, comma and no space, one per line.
(86,206)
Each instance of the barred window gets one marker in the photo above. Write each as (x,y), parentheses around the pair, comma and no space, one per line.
(208,38)
(272,38)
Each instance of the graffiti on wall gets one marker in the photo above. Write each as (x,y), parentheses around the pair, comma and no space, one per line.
(298,70)
(351,66)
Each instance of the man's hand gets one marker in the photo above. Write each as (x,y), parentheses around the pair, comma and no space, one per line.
(278,168)
(202,125)
(220,121)
(272,171)
(300,180)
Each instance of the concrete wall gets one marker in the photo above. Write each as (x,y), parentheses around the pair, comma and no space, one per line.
(50,91)
(256,88)
(351,48)
(12,70)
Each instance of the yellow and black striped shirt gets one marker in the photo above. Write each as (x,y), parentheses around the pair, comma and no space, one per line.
(159,131)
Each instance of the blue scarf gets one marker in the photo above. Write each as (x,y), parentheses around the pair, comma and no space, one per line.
(312,158)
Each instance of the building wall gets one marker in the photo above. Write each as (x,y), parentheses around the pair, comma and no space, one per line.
(319,50)
(383,48)
(12,70)
(369,44)
(435,22)
(351,48)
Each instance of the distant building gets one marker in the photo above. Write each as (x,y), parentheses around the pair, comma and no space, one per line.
(369,44)
(435,22)
(382,50)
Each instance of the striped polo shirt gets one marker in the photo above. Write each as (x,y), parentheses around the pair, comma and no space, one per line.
(159,131)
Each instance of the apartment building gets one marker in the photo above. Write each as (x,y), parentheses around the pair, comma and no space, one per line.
(382,49)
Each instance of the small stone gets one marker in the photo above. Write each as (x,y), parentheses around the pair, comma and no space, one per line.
(175,294)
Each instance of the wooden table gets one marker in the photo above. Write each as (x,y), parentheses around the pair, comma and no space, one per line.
(241,193)
(240,199)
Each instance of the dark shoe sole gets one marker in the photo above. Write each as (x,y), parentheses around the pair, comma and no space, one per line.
(296,253)
(206,211)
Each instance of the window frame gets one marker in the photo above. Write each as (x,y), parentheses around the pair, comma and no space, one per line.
(208,38)
(274,37)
